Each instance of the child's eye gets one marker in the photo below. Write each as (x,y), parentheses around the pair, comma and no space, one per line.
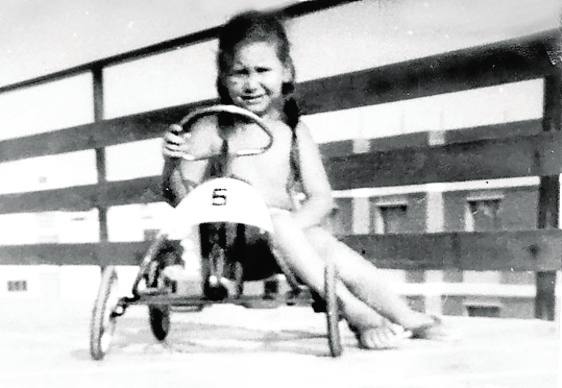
(263,69)
(238,72)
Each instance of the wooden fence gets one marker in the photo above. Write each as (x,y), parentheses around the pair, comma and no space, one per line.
(534,151)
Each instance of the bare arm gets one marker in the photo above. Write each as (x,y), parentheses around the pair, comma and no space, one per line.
(319,202)
(172,187)
(180,176)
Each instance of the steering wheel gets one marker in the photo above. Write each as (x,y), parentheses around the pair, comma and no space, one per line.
(233,110)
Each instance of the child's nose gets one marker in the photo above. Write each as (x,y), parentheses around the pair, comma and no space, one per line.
(252,81)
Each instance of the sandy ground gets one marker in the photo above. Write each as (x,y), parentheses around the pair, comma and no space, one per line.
(46,345)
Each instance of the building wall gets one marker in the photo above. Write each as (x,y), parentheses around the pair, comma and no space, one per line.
(483,293)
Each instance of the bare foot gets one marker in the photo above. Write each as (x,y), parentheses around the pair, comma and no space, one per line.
(386,336)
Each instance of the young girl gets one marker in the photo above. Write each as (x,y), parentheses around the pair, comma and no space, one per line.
(256,72)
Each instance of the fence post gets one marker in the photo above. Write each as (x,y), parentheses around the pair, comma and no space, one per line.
(97,78)
(549,194)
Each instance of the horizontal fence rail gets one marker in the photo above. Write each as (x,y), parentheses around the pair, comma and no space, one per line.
(507,62)
(536,155)
(494,64)
(530,250)
(482,159)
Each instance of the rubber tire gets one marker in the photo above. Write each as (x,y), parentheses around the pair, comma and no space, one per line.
(102,325)
(332,311)
(159,317)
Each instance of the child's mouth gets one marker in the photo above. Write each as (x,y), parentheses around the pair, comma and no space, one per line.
(252,99)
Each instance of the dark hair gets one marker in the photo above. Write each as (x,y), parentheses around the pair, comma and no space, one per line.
(255,26)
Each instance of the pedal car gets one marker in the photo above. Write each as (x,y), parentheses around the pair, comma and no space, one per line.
(235,229)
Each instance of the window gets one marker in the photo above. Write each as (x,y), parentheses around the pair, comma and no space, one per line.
(491,311)
(17,285)
(483,214)
(390,217)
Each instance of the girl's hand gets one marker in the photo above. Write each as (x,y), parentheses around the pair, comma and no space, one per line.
(175,145)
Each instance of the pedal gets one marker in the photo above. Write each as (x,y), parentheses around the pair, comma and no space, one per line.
(318,303)
(271,289)
(215,293)
(217,289)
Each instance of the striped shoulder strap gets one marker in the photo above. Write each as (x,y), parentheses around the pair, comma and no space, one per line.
(294,182)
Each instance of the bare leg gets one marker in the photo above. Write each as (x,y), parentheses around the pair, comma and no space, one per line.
(365,281)
(304,260)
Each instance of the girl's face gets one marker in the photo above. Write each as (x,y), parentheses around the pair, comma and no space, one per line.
(256,78)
